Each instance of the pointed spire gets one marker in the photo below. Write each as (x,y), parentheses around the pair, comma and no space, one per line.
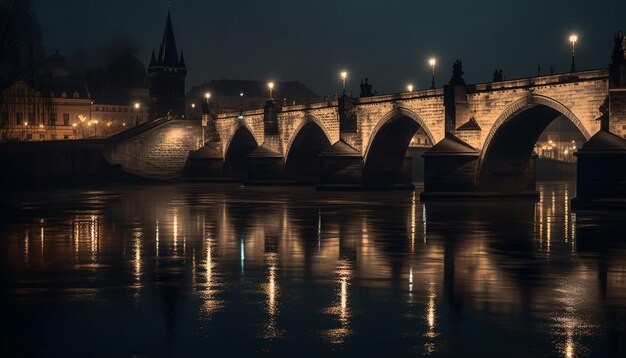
(152,60)
(168,54)
(181,63)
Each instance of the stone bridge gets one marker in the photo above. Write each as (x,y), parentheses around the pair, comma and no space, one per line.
(483,134)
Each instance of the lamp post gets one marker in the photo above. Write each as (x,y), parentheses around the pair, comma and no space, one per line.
(432,62)
(343,75)
(25,131)
(95,128)
(137,105)
(573,38)
(270,86)
(240,106)
(409,88)
(193,110)
(74,125)
(208,101)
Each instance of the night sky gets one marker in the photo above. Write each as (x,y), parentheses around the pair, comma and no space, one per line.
(311,41)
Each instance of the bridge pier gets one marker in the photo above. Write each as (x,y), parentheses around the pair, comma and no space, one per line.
(265,166)
(449,170)
(341,166)
(601,162)
(206,162)
(266,163)
(601,173)
(452,171)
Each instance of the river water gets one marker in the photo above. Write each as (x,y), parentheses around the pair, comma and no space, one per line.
(199,269)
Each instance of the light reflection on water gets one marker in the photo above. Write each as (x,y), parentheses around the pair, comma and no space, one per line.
(185,269)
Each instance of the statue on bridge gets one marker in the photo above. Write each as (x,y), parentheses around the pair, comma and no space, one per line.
(497,75)
(457,73)
(366,89)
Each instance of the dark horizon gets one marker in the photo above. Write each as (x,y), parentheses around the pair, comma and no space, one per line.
(389,45)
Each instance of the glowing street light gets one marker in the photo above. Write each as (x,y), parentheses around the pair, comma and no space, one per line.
(137,105)
(344,76)
(193,105)
(409,88)
(432,62)
(270,86)
(573,38)
(240,106)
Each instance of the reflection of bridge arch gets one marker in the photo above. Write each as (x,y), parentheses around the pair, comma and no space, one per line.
(302,154)
(388,144)
(240,144)
(505,155)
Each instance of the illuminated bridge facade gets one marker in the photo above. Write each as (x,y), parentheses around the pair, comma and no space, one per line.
(483,136)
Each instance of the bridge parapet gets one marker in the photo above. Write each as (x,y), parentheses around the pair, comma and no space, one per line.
(541,80)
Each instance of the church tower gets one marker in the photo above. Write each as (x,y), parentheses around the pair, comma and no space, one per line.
(166,77)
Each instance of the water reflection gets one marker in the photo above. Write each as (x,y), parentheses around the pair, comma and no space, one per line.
(86,235)
(340,308)
(277,268)
(271,290)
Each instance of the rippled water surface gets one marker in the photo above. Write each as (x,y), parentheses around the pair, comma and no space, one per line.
(198,269)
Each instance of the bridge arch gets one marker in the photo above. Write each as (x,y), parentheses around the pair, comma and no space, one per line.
(388,144)
(302,155)
(240,144)
(505,159)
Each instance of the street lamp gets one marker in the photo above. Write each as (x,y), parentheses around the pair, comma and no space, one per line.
(207,95)
(240,106)
(74,125)
(409,88)
(573,38)
(344,75)
(270,86)
(432,62)
(95,128)
(137,105)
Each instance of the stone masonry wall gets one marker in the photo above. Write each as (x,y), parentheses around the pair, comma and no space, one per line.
(579,96)
(159,152)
